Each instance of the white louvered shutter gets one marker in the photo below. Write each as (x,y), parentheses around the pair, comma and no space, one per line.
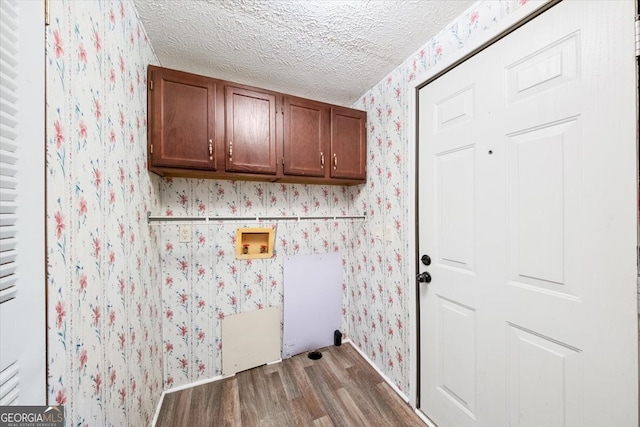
(9,390)
(21,134)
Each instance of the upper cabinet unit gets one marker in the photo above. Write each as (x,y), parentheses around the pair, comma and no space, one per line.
(182,113)
(202,127)
(250,131)
(306,137)
(348,143)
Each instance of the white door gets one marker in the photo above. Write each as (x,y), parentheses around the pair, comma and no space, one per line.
(527,208)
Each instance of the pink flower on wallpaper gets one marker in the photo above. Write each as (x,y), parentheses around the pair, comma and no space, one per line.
(183,264)
(97,382)
(57,43)
(133,337)
(248,292)
(233,300)
(122,176)
(112,76)
(169,281)
(390,300)
(202,239)
(168,247)
(83,359)
(112,257)
(59,134)
(112,197)
(183,199)
(97,178)
(390,364)
(169,381)
(61,397)
(123,394)
(83,207)
(475,16)
(169,314)
(122,126)
(168,212)
(122,10)
(168,347)
(399,324)
(201,335)
(96,247)
(96,315)
(112,317)
(121,286)
(248,204)
(60,314)
(183,362)
(97,109)
(131,88)
(121,62)
(96,41)
(183,330)
(220,315)
(523,2)
(82,54)
(183,298)
(112,378)
(83,283)
(122,339)
(201,367)
(133,387)
(202,207)
(112,16)
(59,224)
(201,303)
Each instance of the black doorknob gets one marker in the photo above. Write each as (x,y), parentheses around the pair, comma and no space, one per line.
(424,277)
(426,259)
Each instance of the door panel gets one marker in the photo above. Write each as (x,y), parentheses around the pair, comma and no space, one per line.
(527,206)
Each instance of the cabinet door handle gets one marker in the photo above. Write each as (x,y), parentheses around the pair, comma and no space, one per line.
(211,149)
(230,149)
(321,159)
(335,161)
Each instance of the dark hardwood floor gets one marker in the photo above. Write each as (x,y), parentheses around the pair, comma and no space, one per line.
(340,389)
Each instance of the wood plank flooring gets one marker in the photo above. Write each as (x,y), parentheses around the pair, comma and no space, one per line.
(340,389)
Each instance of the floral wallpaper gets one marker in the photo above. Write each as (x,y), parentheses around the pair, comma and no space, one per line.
(104,337)
(203,282)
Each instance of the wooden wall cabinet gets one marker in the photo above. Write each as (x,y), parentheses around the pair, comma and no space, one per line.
(183,120)
(202,127)
(250,135)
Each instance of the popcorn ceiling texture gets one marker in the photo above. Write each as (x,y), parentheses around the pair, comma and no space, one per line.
(329,50)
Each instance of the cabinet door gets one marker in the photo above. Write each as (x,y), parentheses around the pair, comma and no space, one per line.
(182,120)
(306,137)
(348,143)
(250,131)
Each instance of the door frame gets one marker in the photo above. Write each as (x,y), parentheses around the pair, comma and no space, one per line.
(502,29)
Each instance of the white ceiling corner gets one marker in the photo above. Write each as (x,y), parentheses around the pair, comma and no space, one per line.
(328,50)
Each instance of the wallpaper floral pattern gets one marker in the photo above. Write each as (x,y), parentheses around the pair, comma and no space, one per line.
(104,338)
(203,282)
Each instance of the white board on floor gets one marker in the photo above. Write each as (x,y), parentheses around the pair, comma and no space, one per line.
(312,302)
(250,339)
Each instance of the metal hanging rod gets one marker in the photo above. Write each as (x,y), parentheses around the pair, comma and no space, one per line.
(215,219)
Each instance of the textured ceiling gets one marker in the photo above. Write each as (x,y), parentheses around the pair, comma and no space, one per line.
(328,50)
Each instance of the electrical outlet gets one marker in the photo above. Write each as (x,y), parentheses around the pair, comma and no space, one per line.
(389,234)
(185,233)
